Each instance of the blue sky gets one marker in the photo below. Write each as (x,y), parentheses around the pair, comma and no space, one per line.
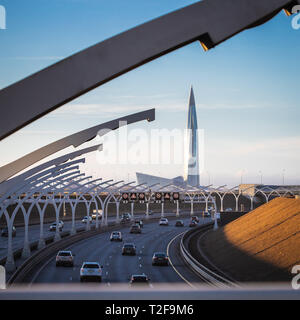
(246,89)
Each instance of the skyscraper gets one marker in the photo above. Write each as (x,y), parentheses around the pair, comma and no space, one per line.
(191,168)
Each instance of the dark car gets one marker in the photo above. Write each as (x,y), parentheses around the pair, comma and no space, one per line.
(129,248)
(4,232)
(179,223)
(135,229)
(160,258)
(126,217)
(195,218)
(52,227)
(139,279)
(193,223)
(139,222)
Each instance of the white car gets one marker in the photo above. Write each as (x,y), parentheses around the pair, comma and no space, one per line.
(163,222)
(91,271)
(86,219)
(228,210)
(116,236)
(65,258)
(52,227)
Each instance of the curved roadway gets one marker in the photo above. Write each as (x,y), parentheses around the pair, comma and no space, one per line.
(118,268)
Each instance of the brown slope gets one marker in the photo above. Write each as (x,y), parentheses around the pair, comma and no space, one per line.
(262,245)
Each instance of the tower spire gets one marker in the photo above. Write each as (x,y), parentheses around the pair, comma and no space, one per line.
(191,172)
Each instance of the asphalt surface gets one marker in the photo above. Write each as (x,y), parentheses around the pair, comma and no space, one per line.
(118,268)
(33,235)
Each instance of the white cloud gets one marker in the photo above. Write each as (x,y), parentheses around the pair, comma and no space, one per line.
(102,108)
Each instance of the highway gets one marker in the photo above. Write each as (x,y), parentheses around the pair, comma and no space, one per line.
(118,268)
(33,235)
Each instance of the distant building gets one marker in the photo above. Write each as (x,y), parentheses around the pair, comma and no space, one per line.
(253,189)
(191,165)
(151,180)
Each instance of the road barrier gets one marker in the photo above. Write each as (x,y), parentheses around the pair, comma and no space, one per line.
(204,272)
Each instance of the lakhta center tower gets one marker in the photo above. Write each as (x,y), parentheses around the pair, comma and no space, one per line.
(191,168)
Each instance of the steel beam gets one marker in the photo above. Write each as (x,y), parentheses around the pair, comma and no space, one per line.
(74,140)
(209,21)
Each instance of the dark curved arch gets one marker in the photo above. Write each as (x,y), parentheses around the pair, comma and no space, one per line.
(6,185)
(74,140)
(209,21)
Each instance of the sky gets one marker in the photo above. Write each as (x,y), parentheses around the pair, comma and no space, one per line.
(246,91)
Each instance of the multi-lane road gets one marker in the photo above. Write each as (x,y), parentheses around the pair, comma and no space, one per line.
(33,235)
(119,268)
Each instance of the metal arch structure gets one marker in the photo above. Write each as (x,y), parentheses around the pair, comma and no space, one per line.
(209,21)
(47,188)
(7,185)
(17,188)
(74,140)
(10,265)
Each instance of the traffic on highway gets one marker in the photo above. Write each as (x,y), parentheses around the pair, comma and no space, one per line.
(122,256)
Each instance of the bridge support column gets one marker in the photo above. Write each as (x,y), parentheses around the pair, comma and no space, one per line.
(26,248)
(106,215)
(57,236)
(10,261)
(192,207)
(147,210)
(132,210)
(206,204)
(177,208)
(88,224)
(118,212)
(41,243)
(162,209)
(73,228)
(103,215)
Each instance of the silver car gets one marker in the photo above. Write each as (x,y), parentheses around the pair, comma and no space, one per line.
(116,236)
(65,258)
(91,271)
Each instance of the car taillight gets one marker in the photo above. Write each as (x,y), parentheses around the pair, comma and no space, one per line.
(81,270)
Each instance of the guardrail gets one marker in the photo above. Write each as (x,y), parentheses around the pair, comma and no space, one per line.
(203,271)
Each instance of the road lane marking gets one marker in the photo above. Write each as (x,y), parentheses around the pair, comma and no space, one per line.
(180,275)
